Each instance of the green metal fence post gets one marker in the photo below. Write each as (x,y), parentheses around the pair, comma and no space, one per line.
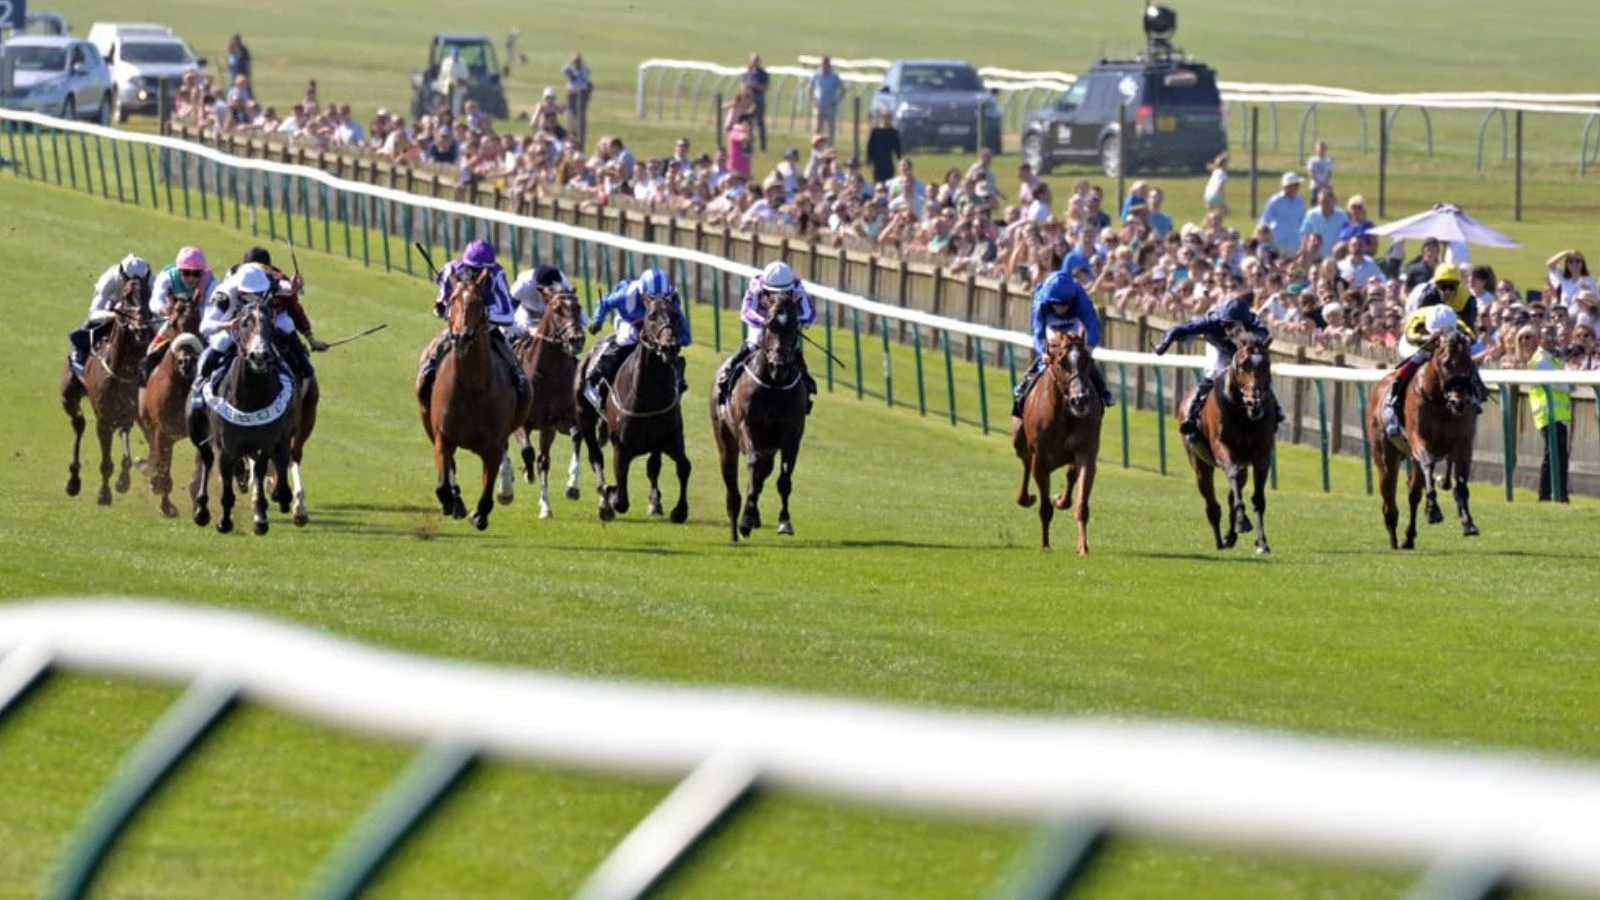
(1122,409)
(344,217)
(855,333)
(1322,430)
(366,231)
(100,162)
(949,373)
(1057,860)
(716,305)
(1508,434)
(133,175)
(588,276)
(72,160)
(516,252)
(38,145)
(383,223)
(1161,421)
(688,305)
(1366,439)
(888,363)
(410,235)
(827,340)
(233,193)
(270,198)
(150,170)
(11,144)
(116,168)
(916,352)
(322,208)
(183,177)
(205,198)
(1011,365)
(983,388)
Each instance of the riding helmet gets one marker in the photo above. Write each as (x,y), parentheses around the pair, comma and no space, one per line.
(257,255)
(1446,273)
(479,254)
(134,267)
(777,278)
(655,283)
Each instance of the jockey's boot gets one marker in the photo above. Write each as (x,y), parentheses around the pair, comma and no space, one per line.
(298,358)
(811,384)
(1480,391)
(1099,375)
(428,369)
(729,373)
(1393,428)
(679,364)
(519,378)
(1190,426)
(1026,385)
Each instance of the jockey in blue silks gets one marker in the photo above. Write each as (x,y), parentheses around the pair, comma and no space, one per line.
(499,306)
(627,300)
(1061,304)
(1217,327)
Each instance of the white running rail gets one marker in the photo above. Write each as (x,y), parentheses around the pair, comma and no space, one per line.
(1529,819)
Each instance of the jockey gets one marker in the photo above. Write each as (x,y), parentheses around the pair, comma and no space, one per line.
(1061,304)
(286,291)
(189,278)
(477,257)
(1445,288)
(627,300)
(775,280)
(107,291)
(1217,328)
(530,291)
(245,284)
(1423,326)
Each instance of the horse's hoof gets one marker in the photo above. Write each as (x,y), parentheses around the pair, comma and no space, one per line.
(1245,527)
(260,528)
(480,522)
(301,519)
(1408,545)
(744,529)
(124,482)
(621,506)
(785,528)
(1061,501)
(607,514)
(680,515)
(224,525)
(1044,548)
(572,493)
(504,499)
(104,497)
(1435,516)
(1025,500)
(545,513)
(1262,549)
(1469,530)
(656,511)
(460,510)
(202,517)
(1229,541)
(74,485)
(168,510)
(1083,551)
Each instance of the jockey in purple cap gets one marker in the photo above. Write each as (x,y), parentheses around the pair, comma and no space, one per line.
(501,309)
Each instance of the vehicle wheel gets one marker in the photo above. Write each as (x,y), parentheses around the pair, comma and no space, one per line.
(102,116)
(69,109)
(1033,154)
(1111,155)
(118,111)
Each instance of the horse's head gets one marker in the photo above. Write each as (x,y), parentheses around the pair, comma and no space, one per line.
(562,322)
(659,330)
(1452,362)
(469,313)
(252,332)
(1072,365)
(133,304)
(1250,373)
(185,352)
(780,341)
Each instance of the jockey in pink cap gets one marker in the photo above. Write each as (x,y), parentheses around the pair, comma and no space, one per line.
(188,278)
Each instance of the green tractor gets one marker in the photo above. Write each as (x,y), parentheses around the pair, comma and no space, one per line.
(480,77)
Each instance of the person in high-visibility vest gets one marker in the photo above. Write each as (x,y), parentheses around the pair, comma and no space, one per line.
(1552,412)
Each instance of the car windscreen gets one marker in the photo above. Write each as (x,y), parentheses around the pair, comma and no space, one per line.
(1182,87)
(164,53)
(38,59)
(940,78)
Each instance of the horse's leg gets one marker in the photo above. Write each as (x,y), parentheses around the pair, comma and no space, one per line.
(652,468)
(200,486)
(1462,464)
(508,480)
(1047,510)
(573,468)
(1414,496)
(1081,511)
(258,483)
(1258,500)
(597,462)
(443,460)
(1025,499)
(226,466)
(491,469)
(1063,500)
(680,456)
(103,431)
(759,465)
(72,394)
(161,446)
(1388,463)
(527,454)
(1435,514)
(1208,493)
(301,516)
(1238,513)
(728,456)
(619,490)
(125,473)
(547,436)
(791,450)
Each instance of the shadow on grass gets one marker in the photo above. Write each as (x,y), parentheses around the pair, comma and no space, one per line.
(1243,553)
(380,507)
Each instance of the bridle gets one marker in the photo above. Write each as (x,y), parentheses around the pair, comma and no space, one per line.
(570,336)
(1456,383)
(1251,358)
(658,331)
(1073,359)
(260,352)
(468,321)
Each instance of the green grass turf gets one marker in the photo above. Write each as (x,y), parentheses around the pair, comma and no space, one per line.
(914,578)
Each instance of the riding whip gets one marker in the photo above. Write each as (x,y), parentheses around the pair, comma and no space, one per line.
(360,334)
(432,269)
(813,343)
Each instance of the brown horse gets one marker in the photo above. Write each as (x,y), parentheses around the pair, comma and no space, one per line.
(1060,426)
(111,382)
(549,354)
(474,403)
(164,400)
(765,417)
(1238,430)
(643,415)
(1440,421)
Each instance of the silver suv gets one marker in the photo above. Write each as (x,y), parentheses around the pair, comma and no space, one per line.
(57,76)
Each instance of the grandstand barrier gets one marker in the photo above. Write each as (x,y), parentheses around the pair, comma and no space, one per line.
(1476,823)
(380,224)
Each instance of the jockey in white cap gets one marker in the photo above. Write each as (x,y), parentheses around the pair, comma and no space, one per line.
(107,291)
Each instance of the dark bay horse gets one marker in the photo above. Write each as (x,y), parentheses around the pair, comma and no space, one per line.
(1238,430)
(765,418)
(250,418)
(1060,426)
(164,400)
(549,354)
(1440,422)
(474,403)
(111,383)
(643,415)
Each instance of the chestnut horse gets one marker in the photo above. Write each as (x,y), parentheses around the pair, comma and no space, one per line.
(1440,422)
(643,415)
(765,417)
(1060,426)
(549,354)
(1238,430)
(248,418)
(474,403)
(111,382)
(164,400)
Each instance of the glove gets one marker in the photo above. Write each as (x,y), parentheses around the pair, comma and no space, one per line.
(316,345)
(439,309)
(1163,345)
(594,327)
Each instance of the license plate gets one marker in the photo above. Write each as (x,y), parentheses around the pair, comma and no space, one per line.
(1166,123)
(954,129)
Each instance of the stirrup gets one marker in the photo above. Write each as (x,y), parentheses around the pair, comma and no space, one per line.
(592,394)
(1189,428)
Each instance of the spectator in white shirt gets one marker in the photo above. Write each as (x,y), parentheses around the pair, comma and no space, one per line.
(1038,209)
(1357,268)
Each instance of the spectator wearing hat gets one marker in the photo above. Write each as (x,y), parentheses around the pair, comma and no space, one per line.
(1326,220)
(1587,305)
(1284,212)
(547,115)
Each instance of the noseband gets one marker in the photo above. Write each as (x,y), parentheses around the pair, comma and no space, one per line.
(1252,394)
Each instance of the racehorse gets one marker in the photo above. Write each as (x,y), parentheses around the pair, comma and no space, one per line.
(1440,421)
(164,400)
(474,403)
(643,415)
(1238,430)
(549,354)
(111,382)
(1060,426)
(765,417)
(249,418)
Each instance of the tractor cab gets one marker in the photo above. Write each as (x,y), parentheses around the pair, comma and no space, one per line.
(480,67)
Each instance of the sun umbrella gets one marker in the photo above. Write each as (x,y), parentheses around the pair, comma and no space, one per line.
(1446,222)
